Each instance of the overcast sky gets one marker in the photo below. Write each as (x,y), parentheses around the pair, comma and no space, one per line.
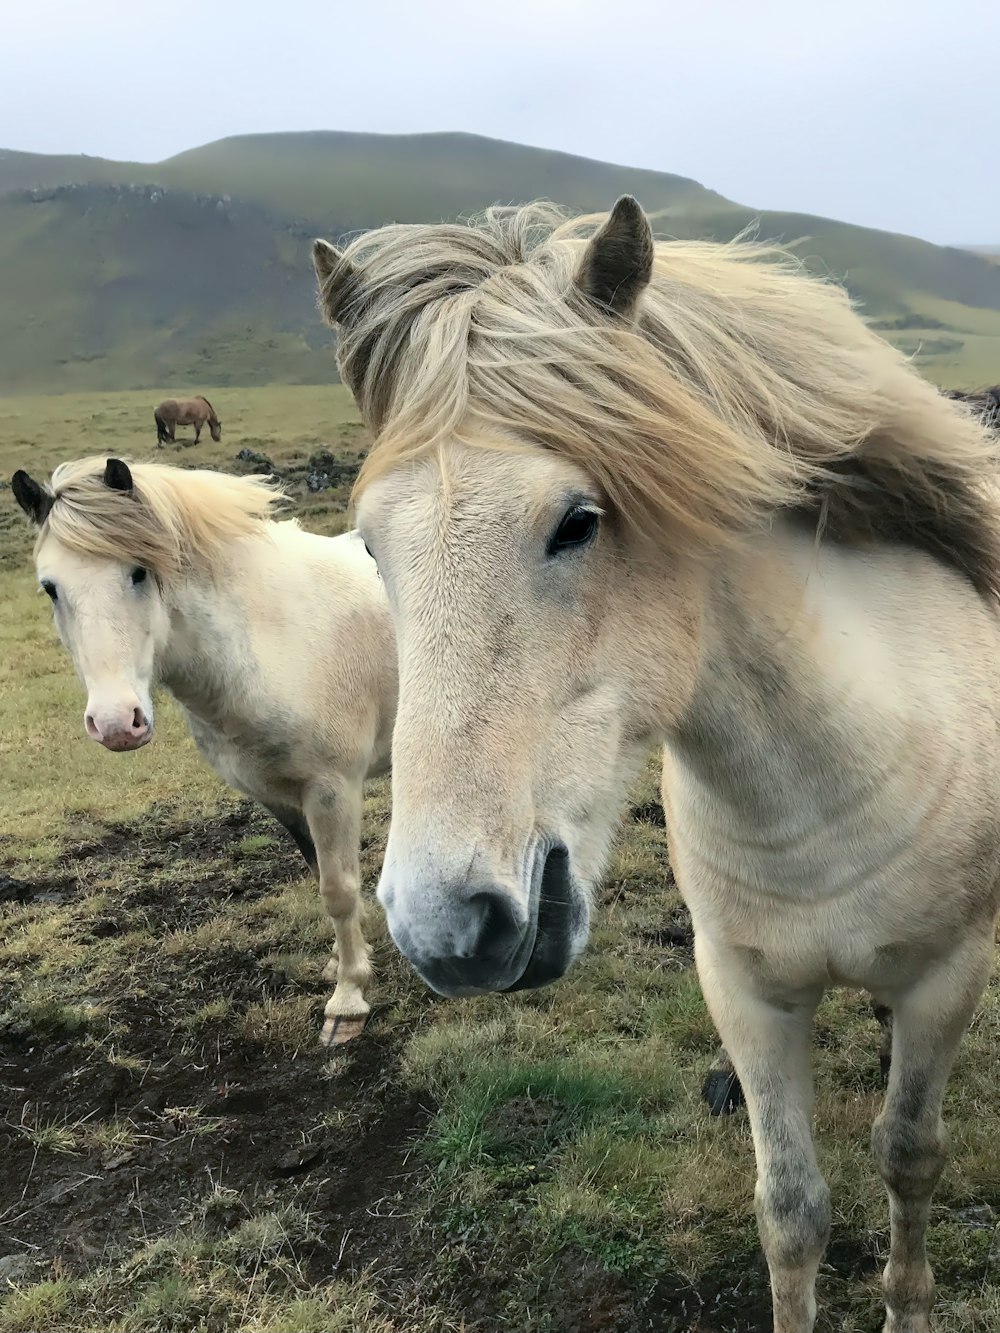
(884,112)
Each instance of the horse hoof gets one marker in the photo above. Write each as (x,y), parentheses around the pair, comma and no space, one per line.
(723,1092)
(341,1029)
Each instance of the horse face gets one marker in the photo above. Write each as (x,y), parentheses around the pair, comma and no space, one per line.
(512,749)
(111,618)
(216,429)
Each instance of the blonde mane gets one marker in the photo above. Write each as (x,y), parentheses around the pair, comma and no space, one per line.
(741,387)
(172,518)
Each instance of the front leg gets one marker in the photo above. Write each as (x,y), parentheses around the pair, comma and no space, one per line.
(333,812)
(769,1045)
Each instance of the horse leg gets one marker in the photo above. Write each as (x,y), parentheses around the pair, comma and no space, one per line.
(769,1044)
(197,431)
(333,812)
(883,1016)
(908,1138)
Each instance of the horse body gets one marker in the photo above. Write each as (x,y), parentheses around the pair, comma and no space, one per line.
(276,643)
(753,536)
(834,711)
(196,412)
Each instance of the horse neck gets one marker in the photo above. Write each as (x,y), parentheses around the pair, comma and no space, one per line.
(766,735)
(208,623)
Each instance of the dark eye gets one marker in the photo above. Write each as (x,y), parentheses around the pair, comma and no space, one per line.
(50,590)
(577,527)
(138,576)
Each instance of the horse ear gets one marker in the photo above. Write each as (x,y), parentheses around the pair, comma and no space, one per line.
(618,263)
(337,278)
(117,475)
(35,500)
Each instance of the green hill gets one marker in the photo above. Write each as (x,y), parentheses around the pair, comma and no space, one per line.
(195,270)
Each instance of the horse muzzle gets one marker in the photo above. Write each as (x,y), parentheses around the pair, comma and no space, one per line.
(120,732)
(478,937)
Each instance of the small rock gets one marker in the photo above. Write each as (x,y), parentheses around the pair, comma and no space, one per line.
(14,1267)
(260,462)
(978,1215)
(15,890)
(326,471)
(299,1160)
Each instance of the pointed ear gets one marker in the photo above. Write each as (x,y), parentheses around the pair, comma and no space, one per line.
(618,263)
(337,278)
(117,475)
(35,500)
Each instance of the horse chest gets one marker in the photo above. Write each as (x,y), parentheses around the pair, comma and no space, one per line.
(252,761)
(823,902)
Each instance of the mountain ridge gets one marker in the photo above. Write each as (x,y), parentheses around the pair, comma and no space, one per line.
(120,274)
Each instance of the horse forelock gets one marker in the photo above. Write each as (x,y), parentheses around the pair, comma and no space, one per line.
(171,520)
(742,386)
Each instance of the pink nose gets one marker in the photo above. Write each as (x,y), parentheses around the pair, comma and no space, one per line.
(120,733)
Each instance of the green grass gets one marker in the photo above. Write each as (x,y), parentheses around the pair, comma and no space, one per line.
(546,1163)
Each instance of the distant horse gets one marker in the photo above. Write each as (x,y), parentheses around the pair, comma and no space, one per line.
(174,412)
(625,494)
(276,643)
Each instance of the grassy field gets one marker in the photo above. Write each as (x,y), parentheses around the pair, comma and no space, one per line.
(179,1155)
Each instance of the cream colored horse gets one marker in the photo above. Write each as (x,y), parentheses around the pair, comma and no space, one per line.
(626,494)
(276,643)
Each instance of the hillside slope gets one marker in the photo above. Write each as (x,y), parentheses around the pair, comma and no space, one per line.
(196,269)
(109,286)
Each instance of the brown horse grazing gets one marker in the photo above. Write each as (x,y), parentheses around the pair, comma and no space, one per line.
(174,412)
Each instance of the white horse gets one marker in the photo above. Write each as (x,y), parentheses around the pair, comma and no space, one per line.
(277,644)
(622,494)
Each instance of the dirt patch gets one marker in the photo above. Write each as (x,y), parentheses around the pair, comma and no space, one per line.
(202,1111)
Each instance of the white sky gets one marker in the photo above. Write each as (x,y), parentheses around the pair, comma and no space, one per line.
(883,112)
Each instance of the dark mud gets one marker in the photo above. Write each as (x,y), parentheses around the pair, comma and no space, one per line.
(207,1111)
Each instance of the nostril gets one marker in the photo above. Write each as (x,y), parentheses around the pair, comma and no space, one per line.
(93,731)
(139,721)
(498,930)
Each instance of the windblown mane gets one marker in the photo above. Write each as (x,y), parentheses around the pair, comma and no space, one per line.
(742,386)
(172,518)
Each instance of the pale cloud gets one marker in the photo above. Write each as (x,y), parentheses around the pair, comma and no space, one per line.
(882,112)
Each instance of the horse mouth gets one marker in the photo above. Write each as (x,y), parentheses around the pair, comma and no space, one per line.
(560,923)
(126,744)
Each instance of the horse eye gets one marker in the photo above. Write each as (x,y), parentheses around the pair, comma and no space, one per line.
(50,590)
(577,527)
(138,576)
